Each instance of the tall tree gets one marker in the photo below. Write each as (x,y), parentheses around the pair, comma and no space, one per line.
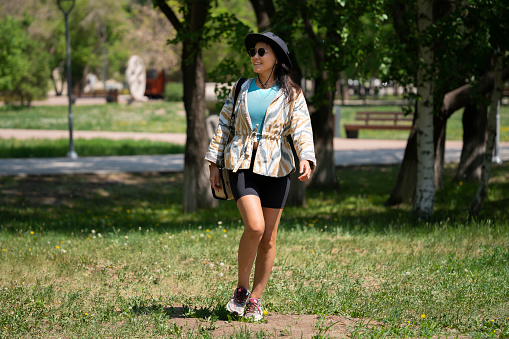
(492,132)
(474,121)
(494,15)
(424,200)
(463,53)
(191,33)
(328,34)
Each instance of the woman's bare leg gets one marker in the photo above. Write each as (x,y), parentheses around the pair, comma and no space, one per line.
(254,226)
(266,251)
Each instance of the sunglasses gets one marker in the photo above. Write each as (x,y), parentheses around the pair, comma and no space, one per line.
(252,52)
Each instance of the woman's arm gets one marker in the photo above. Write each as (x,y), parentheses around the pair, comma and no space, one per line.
(220,138)
(302,133)
(214,177)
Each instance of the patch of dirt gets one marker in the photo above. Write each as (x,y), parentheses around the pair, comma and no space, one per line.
(275,326)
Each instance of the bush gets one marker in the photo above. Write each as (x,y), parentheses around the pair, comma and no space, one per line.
(174,91)
(24,69)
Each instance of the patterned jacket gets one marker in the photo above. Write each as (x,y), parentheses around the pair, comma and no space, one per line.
(274,156)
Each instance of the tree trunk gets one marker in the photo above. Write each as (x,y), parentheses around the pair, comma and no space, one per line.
(322,121)
(482,191)
(264,11)
(454,100)
(424,199)
(439,137)
(474,142)
(404,190)
(197,193)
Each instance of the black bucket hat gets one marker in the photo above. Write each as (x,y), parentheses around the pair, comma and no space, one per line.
(277,44)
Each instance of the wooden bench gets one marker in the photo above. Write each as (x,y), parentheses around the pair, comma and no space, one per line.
(110,95)
(379,121)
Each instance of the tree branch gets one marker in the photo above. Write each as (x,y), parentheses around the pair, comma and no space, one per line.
(169,14)
(309,26)
(264,10)
(460,97)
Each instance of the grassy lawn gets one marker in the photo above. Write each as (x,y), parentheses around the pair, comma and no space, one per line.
(168,117)
(154,116)
(41,148)
(112,256)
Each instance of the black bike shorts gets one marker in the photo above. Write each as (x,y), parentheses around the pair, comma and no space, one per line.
(272,192)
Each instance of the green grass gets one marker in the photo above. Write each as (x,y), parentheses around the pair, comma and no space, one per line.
(90,256)
(155,117)
(40,148)
(167,117)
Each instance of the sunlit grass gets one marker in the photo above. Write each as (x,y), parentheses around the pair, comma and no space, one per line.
(113,256)
(41,148)
(169,117)
(155,117)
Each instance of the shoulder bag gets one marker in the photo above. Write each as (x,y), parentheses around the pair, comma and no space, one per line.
(225,193)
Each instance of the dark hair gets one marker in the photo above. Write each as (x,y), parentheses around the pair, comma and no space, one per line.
(283,76)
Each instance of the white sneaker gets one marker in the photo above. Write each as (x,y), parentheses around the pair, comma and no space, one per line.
(238,302)
(254,309)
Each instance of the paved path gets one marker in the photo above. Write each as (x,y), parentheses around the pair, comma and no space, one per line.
(347,152)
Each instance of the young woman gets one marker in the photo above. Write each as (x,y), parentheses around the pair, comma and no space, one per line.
(269,108)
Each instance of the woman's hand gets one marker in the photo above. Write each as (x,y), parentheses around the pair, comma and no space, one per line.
(304,170)
(215,182)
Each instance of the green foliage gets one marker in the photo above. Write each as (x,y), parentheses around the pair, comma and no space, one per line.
(174,91)
(24,64)
(463,36)
(93,25)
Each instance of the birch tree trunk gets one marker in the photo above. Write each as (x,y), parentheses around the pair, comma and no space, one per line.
(482,191)
(424,199)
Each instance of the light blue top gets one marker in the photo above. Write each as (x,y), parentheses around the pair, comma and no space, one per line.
(258,101)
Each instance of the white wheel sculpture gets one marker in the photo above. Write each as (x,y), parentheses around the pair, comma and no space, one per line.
(136,78)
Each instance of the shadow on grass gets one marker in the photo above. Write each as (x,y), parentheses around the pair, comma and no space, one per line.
(182,312)
(126,201)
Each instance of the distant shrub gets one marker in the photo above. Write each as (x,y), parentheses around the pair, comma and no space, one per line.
(174,91)
(24,63)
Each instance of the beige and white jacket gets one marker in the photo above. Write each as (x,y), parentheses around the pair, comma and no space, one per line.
(274,155)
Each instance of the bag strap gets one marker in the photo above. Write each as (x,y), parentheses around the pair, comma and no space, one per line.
(237,92)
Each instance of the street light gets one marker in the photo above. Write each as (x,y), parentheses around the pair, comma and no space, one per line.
(66,7)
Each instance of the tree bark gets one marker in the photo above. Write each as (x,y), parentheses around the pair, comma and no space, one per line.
(264,11)
(424,199)
(197,193)
(482,191)
(454,100)
(322,120)
(474,142)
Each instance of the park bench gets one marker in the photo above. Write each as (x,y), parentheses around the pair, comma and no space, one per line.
(111,95)
(379,121)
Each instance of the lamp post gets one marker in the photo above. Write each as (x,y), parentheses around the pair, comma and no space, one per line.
(66,7)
